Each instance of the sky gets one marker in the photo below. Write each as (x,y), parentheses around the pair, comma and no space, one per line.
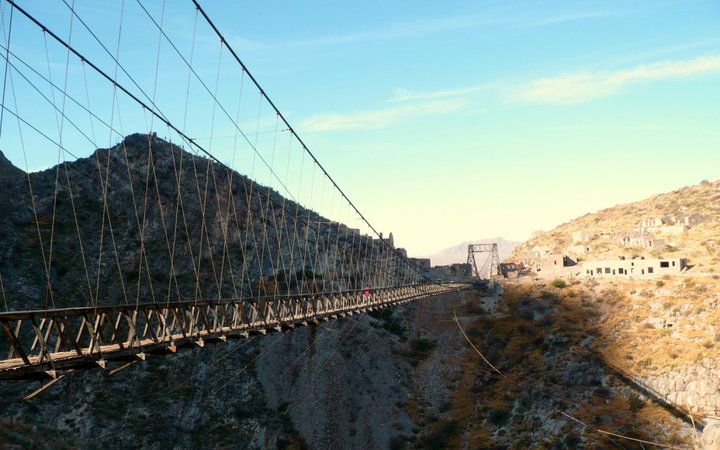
(442,121)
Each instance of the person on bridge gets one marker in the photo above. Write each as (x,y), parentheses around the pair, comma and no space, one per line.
(367,292)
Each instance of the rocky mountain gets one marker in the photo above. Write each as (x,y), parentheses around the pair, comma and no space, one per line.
(458,253)
(173,225)
(8,171)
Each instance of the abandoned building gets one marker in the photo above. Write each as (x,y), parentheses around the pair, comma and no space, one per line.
(552,263)
(692,220)
(654,222)
(672,224)
(537,252)
(512,270)
(634,267)
(641,239)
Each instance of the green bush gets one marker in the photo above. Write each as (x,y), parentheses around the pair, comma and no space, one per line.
(558,283)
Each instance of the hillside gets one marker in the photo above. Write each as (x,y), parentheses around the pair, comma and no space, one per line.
(237,214)
(603,230)
(663,331)
(458,253)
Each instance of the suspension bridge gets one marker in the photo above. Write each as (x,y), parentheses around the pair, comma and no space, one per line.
(215,221)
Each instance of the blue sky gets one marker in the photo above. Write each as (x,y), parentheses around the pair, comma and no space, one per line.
(443,121)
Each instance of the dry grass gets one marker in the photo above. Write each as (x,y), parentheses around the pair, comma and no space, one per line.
(518,345)
(613,315)
(650,330)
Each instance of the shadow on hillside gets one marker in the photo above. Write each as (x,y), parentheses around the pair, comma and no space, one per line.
(542,344)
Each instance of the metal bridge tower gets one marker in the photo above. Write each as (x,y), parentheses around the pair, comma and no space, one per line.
(492,261)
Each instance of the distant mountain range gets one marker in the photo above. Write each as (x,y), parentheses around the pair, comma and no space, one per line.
(458,253)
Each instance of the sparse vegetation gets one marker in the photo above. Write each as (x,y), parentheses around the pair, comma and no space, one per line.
(699,244)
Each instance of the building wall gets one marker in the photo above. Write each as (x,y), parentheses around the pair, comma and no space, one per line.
(647,242)
(577,250)
(694,219)
(652,222)
(551,263)
(636,267)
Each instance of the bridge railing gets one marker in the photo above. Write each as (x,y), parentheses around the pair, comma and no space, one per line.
(42,341)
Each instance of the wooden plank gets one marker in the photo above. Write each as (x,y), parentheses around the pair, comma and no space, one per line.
(36,392)
(59,327)
(18,327)
(132,329)
(14,341)
(203,316)
(41,341)
(36,340)
(148,326)
(115,336)
(123,367)
(162,327)
(104,318)
(83,323)
(179,322)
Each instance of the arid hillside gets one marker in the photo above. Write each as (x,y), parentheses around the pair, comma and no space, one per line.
(600,234)
(662,331)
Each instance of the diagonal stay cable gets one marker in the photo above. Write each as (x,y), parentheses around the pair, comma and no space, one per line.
(7,50)
(252,144)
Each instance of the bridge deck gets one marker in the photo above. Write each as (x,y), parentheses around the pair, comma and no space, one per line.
(40,342)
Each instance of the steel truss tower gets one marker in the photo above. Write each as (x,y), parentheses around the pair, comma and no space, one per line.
(492,260)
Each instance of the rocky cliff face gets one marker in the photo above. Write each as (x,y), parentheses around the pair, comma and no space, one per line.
(698,389)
